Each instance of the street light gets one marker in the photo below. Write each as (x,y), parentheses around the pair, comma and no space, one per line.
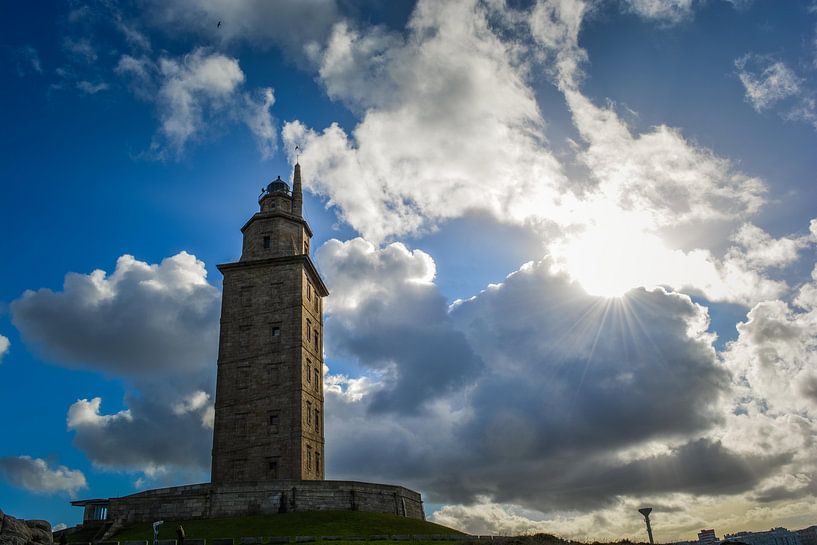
(646,512)
(156,531)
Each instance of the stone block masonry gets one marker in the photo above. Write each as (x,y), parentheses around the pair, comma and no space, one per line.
(242,499)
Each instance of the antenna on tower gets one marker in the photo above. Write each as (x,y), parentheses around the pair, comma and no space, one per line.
(297,154)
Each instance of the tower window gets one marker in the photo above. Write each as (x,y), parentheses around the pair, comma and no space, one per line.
(272,469)
(308,372)
(266,242)
(275,332)
(317,420)
(308,413)
(317,379)
(308,457)
(318,463)
(246,296)
(308,328)
(273,423)
(309,292)
(243,381)
(317,340)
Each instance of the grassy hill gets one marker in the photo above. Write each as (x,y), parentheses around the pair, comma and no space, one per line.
(317,523)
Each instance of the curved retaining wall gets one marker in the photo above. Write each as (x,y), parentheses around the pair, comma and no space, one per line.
(229,500)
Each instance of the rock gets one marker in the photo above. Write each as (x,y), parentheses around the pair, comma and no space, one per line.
(14,531)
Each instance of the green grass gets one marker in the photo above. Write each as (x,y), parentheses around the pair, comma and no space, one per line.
(317,523)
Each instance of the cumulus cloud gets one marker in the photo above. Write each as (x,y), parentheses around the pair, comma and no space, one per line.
(660,173)
(4,346)
(35,475)
(568,407)
(140,319)
(773,406)
(396,322)
(448,126)
(195,90)
(650,181)
(165,442)
(156,326)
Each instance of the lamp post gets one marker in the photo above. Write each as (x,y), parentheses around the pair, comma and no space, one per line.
(156,531)
(646,512)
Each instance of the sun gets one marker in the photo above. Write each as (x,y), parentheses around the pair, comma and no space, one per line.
(612,257)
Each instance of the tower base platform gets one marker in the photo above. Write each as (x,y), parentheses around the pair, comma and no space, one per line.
(209,500)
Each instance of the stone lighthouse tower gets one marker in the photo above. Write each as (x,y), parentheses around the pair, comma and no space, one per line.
(269,391)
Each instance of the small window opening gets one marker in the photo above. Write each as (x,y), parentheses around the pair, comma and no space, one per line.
(276,331)
(266,242)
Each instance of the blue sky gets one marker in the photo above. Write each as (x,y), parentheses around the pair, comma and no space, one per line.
(539,221)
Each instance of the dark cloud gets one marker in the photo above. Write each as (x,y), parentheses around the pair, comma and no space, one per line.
(155,325)
(570,398)
(140,320)
(392,319)
(408,331)
(170,443)
(35,475)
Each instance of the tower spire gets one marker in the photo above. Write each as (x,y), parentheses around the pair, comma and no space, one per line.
(297,192)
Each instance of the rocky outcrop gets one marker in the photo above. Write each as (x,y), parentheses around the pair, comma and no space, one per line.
(14,531)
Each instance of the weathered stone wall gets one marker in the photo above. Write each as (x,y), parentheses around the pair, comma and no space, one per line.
(212,500)
(269,396)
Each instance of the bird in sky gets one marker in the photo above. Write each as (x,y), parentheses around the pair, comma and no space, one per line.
(218,25)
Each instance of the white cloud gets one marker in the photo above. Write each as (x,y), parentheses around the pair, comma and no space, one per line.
(766,81)
(140,319)
(660,173)
(4,346)
(86,413)
(448,126)
(92,88)
(153,325)
(35,475)
(81,50)
(197,402)
(385,269)
(541,359)
(188,86)
(196,90)
(771,83)
(260,121)
(154,436)
(670,11)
